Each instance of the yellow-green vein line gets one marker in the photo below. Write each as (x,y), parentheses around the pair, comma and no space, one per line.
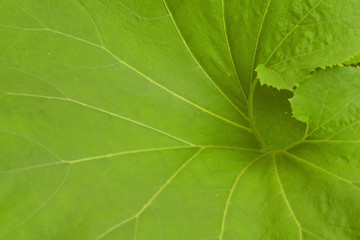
(92,21)
(333,141)
(257,42)
(292,30)
(154,196)
(110,155)
(251,114)
(144,76)
(46,202)
(100,110)
(197,62)
(286,199)
(86,159)
(323,170)
(231,193)
(229,50)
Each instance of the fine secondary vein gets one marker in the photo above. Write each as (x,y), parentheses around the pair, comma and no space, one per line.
(32,140)
(92,21)
(342,129)
(43,205)
(27,13)
(312,234)
(35,76)
(335,114)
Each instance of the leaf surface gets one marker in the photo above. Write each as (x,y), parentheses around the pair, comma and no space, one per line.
(290,38)
(147,120)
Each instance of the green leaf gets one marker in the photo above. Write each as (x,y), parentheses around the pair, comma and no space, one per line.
(272,77)
(329,102)
(291,37)
(354,61)
(146,120)
(281,129)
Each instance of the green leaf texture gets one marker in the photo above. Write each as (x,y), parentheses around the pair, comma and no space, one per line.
(146,119)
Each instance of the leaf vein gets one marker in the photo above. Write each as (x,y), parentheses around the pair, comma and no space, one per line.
(197,62)
(286,199)
(229,50)
(41,145)
(36,76)
(43,205)
(143,75)
(323,170)
(231,193)
(108,155)
(154,196)
(257,41)
(335,115)
(92,21)
(292,30)
(100,110)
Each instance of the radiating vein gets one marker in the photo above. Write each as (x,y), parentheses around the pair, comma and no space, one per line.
(231,193)
(182,98)
(151,200)
(286,199)
(136,228)
(141,74)
(292,30)
(257,41)
(229,50)
(197,62)
(100,110)
(252,116)
(97,157)
(230,147)
(110,155)
(323,170)
(170,179)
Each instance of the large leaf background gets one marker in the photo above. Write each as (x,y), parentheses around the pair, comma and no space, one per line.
(146,120)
